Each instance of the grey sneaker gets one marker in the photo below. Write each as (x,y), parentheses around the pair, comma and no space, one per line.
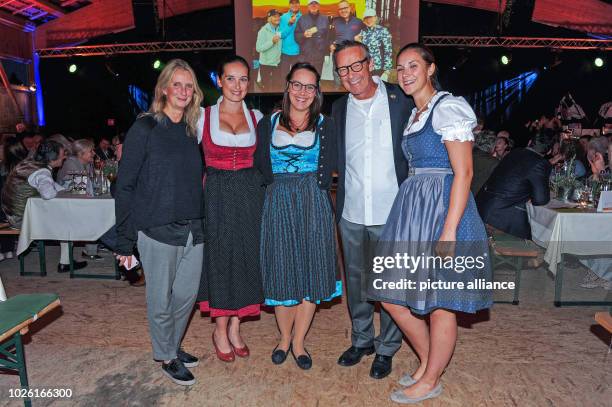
(400,397)
(407,380)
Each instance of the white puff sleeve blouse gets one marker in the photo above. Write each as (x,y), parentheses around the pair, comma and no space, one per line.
(454,118)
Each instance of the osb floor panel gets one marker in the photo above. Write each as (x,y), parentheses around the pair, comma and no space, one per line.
(98,345)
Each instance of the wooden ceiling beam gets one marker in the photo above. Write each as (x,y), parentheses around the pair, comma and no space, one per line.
(10,20)
(48,7)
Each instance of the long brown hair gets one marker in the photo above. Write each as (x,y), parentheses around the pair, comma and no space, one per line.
(192,111)
(315,107)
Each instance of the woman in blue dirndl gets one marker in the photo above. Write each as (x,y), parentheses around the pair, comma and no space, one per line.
(434,220)
(296,153)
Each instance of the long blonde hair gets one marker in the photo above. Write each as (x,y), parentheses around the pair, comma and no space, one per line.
(192,111)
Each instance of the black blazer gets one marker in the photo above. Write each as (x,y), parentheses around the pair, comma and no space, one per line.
(325,130)
(520,176)
(400,107)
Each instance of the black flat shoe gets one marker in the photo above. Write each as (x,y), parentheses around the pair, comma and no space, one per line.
(381,366)
(279,355)
(178,373)
(303,361)
(353,355)
(65,268)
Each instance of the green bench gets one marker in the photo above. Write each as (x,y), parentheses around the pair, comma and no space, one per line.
(7,230)
(510,250)
(16,315)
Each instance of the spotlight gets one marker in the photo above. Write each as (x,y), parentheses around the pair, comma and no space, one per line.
(32,87)
(157,64)
(505,59)
(599,62)
(72,68)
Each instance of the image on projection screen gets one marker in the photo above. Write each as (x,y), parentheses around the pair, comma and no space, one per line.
(284,32)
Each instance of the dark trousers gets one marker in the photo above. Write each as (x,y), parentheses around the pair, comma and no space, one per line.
(357,244)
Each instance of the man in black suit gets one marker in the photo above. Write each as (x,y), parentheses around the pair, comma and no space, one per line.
(104,151)
(522,175)
(370,121)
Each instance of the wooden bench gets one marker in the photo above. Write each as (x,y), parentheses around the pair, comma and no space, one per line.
(604,319)
(16,315)
(510,250)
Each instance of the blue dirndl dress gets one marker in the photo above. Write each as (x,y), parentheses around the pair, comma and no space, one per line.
(298,245)
(413,228)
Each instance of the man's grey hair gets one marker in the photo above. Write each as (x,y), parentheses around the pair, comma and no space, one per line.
(342,45)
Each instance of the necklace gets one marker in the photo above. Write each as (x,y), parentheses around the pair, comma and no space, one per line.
(297,127)
(425,105)
(417,115)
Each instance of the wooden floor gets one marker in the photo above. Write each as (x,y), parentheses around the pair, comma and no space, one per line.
(528,355)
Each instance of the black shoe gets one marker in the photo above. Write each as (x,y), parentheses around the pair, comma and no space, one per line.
(91,256)
(65,268)
(187,359)
(178,373)
(304,362)
(353,355)
(381,366)
(279,355)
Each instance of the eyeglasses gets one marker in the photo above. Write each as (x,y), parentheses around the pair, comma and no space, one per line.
(355,67)
(298,86)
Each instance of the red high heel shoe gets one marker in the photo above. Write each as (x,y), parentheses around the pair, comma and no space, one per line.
(225,357)
(243,352)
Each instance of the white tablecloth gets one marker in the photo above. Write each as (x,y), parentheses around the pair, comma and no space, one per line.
(67,217)
(580,232)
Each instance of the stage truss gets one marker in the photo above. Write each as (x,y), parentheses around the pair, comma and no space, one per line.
(518,42)
(135,48)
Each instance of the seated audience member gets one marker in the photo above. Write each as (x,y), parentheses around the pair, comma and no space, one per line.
(104,151)
(66,143)
(584,141)
(521,176)
(484,163)
(506,134)
(28,141)
(80,162)
(29,178)
(568,151)
(598,155)
(13,152)
(37,139)
(501,148)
